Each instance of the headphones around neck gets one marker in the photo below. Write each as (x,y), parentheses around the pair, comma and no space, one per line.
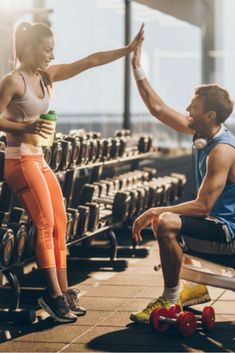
(201,142)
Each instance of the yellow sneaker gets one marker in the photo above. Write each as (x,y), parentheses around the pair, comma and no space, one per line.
(143,317)
(192,295)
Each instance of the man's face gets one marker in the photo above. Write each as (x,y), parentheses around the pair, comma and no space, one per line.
(196,114)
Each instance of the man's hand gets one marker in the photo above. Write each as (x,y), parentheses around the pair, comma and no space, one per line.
(40,127)
(143,221)
(138,40)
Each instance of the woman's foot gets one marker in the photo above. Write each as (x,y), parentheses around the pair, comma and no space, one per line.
(57,308)
(72,296)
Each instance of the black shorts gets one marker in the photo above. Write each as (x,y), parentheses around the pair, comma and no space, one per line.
(206,235)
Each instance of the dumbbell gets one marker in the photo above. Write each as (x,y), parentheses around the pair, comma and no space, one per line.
(66,154)
(31,237)
(120,201)
(47,154)
(207,318)
(6,197)
(13,221)
(174,190)
(92,155)
(18,316)
(84,217)
(94,218)
(7,241)
(69,227)
(93,134)
(182,181)
(56,155)
(2,159)
(145,143)
(75,217)
(122,133)
(20,233)
(166,185)
(75,149)
(185,322)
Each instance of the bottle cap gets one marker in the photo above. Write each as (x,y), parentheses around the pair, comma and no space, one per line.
(48,116)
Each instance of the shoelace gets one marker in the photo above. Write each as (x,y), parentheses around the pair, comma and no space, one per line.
(62,304)
(161,301)
(73,296)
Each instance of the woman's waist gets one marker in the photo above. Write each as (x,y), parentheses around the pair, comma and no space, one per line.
(23,149)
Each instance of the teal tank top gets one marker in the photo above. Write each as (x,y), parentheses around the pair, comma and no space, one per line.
(224,207)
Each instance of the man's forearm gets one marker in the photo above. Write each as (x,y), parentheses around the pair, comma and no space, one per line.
(152,101)
(192,208)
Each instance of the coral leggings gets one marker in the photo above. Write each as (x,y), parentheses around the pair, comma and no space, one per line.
(39,191)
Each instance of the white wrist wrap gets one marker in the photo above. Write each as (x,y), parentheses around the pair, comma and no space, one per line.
(139,74)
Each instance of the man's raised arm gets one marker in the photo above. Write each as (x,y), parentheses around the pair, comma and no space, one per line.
(153,102)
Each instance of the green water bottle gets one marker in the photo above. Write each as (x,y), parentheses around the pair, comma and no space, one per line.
(51,117)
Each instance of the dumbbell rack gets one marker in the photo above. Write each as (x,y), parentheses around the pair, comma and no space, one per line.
(12,271)
(107,257)
(21,316)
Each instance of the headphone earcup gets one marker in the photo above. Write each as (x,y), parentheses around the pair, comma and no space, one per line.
(200,143)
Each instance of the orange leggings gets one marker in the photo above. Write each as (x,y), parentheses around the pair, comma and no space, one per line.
(39,191)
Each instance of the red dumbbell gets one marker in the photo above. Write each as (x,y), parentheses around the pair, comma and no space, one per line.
(207,318)
(185,322)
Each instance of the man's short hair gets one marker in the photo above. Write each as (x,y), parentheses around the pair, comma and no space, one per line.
(216,98)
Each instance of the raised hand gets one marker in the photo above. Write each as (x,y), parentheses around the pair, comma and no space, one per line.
(138,39)
(136,56)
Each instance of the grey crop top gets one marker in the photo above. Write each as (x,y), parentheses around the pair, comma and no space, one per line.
(28,107)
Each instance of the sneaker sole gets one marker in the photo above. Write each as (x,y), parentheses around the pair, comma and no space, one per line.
(78,314)
(144,322)
(204,299)
(44,306)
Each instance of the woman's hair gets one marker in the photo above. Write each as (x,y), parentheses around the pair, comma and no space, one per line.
(29,34)
(32,34)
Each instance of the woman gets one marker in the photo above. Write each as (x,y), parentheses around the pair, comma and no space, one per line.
(24,95)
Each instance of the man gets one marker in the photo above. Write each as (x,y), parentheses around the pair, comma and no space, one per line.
(206,224)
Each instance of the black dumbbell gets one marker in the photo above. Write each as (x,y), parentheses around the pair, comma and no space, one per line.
(47,154)
(2,159)
(66,154)
(7,240)
(122,133)
(84,217)
(56,155)
(69,227)
(20,234)
(18,316)
(31,238)
(94,218)
(75,216)
(182,181)
(119,202)
(75,149)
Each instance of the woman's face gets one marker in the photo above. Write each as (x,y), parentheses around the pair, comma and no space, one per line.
(43,53)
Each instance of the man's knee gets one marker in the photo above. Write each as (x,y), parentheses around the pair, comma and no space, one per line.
(168,224)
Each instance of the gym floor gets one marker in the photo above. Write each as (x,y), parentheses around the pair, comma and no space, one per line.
(110,297)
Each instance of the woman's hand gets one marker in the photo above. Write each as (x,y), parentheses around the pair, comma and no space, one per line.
(143,221)
(138,40)
(136,57)
(40,127)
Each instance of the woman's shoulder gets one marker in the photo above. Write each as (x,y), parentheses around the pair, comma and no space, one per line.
(12,78)
(12,83)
